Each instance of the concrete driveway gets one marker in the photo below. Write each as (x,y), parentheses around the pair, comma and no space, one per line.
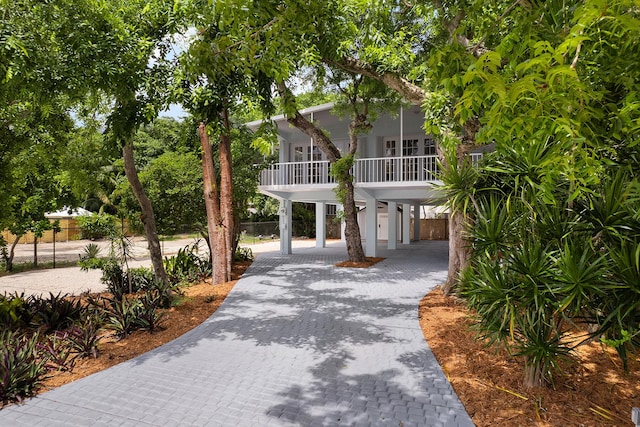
(298,342)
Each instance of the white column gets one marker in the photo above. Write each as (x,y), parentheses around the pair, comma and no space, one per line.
(286,215)
(371,246)
(392,242)
(416,222)
(406,223)
(321,224)
(401,129)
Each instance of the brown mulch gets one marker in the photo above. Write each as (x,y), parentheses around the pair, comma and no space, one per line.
(369,261)
(591,391)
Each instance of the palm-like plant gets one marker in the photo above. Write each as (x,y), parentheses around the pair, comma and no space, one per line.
(543,259)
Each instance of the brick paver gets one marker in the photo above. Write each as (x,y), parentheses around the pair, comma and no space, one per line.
(297,342)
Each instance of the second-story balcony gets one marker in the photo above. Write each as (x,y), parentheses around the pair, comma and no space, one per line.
(382,171)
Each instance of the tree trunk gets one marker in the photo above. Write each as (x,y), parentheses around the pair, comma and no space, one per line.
(352,234)
(226,190)
(352,229)
(35,251)
(458,251)
(12,252)
(212,204)
(532,375)
(147,217)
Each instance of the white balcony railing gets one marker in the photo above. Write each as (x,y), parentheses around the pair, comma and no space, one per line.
(370,171)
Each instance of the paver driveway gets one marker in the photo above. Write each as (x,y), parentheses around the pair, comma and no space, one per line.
(297,342)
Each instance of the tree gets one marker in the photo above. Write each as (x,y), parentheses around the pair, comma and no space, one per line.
(211,84)
(551,92)
(216,232)
(36,175)
(119,53)
(173,182)
(133,42)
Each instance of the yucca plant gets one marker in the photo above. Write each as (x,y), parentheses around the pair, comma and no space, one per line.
(610,216)
(90,258)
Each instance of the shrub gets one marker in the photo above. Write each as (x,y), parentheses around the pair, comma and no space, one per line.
(121,315)
(147,315)
(243,254)
(127,314)
(4,254)
(14,311)
(165,293)
(187,265)
(55,349)
(120,282)
(97,226)
(142,279)
(115,278)
(21,367)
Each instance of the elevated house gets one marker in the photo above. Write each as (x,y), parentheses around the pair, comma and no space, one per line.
(394,174)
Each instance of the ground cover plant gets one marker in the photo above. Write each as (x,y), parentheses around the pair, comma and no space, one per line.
(41,334)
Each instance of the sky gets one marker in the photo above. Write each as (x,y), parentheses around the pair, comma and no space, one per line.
(175,111)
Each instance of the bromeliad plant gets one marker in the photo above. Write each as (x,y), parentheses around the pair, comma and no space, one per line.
(55,313)
(22,367)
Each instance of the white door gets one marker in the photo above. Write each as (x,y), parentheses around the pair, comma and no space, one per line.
(383,226)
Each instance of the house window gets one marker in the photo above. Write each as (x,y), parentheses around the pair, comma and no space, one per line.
(314,170)
(410,147)
(390,148)
(298,154)
(410,165)
(430,146)
(314,156)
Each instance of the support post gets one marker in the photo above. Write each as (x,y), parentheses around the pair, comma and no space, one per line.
(416,222)
(392,240)
(286,214)
(321,224)
(372,228)
(406,223)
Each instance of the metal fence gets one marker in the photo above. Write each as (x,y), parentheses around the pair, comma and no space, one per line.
(254,232)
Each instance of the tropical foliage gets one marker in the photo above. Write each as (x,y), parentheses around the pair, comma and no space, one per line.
(551,214)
